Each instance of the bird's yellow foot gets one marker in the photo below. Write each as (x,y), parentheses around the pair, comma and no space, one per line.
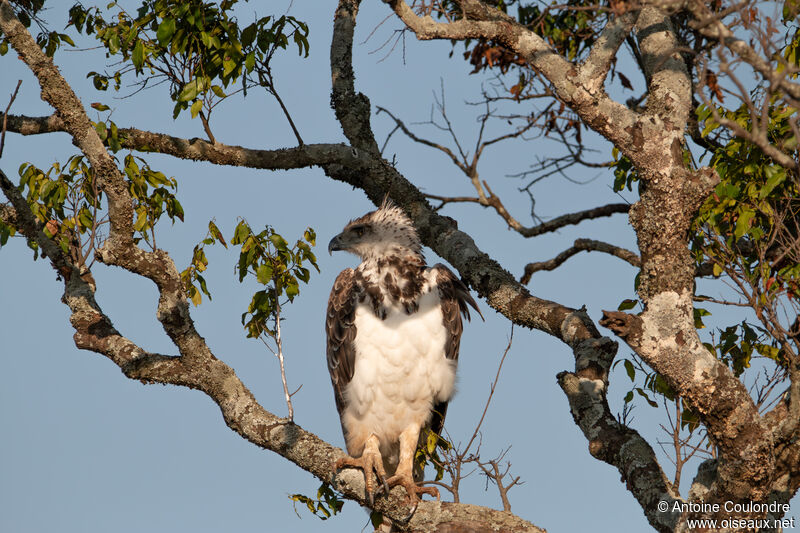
(368,462)
(414,491)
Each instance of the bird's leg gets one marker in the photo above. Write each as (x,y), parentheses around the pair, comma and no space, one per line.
(404,475)
(370,460)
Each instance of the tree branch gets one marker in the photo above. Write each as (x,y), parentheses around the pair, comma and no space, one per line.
(594,69)
(200,150)
(610,119)
(721,400)
(575,218)
(710,25)
(241,412)
(580,245)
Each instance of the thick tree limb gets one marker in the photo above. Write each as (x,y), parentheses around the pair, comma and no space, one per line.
(580,245)
(669,192)
(8,215)
(200,150)
(241,412)
(669,344)
(664,335)
(299,157)
(594,69)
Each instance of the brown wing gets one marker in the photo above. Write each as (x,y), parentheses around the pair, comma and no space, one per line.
(340,330)
(455,301)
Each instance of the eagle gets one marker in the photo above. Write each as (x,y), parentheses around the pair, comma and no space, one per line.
(393,330)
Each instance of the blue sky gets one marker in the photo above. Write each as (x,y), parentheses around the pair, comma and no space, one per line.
(84,449)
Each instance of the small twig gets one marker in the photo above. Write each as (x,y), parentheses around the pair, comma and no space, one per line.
(279,355)
(491,389)
(207,128)
(270,86)
(5,118)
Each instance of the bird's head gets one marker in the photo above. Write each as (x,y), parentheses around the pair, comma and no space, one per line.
(384,232)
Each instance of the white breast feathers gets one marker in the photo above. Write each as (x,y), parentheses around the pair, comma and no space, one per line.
(400,371)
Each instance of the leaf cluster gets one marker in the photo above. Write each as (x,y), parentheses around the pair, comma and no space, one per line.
(570,28)
(64,199)
(428,452)
(27,11)
(267,257)
(327,503)
(748,227)
(153,196)
(198,48)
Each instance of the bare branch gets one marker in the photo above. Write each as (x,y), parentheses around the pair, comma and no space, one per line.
(711,25)
(575,218)
(580,245)
(400,124)
(199,150)
(5,115)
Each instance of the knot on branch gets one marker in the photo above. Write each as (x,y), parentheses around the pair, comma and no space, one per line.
(626,326)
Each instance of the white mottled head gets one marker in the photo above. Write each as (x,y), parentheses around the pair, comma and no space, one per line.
(385,232)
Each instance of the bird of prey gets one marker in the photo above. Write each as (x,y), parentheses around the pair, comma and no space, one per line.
(393,330)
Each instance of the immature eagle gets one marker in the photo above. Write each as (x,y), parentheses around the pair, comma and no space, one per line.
(393,328)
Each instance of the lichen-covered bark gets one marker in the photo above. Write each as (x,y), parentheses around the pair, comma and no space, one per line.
(668,341)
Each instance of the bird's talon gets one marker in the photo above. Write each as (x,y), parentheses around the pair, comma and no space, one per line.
(369,462)
(413,491)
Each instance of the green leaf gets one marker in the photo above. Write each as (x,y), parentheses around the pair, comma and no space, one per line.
(626,304)
(101,130)
(743,222)
(114,44)
(628,397)
(264,274)
(698,320)
(248,35)
(775,176)
(278,241)
(165,31)
(191,90)
(630,370)
(644,395)
(138,55)
(250,61)
(214,230)
(292,289)
(196,107)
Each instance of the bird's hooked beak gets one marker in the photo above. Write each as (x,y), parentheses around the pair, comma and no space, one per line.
(335,244)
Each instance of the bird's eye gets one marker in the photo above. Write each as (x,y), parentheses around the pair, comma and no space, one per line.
(359,231)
